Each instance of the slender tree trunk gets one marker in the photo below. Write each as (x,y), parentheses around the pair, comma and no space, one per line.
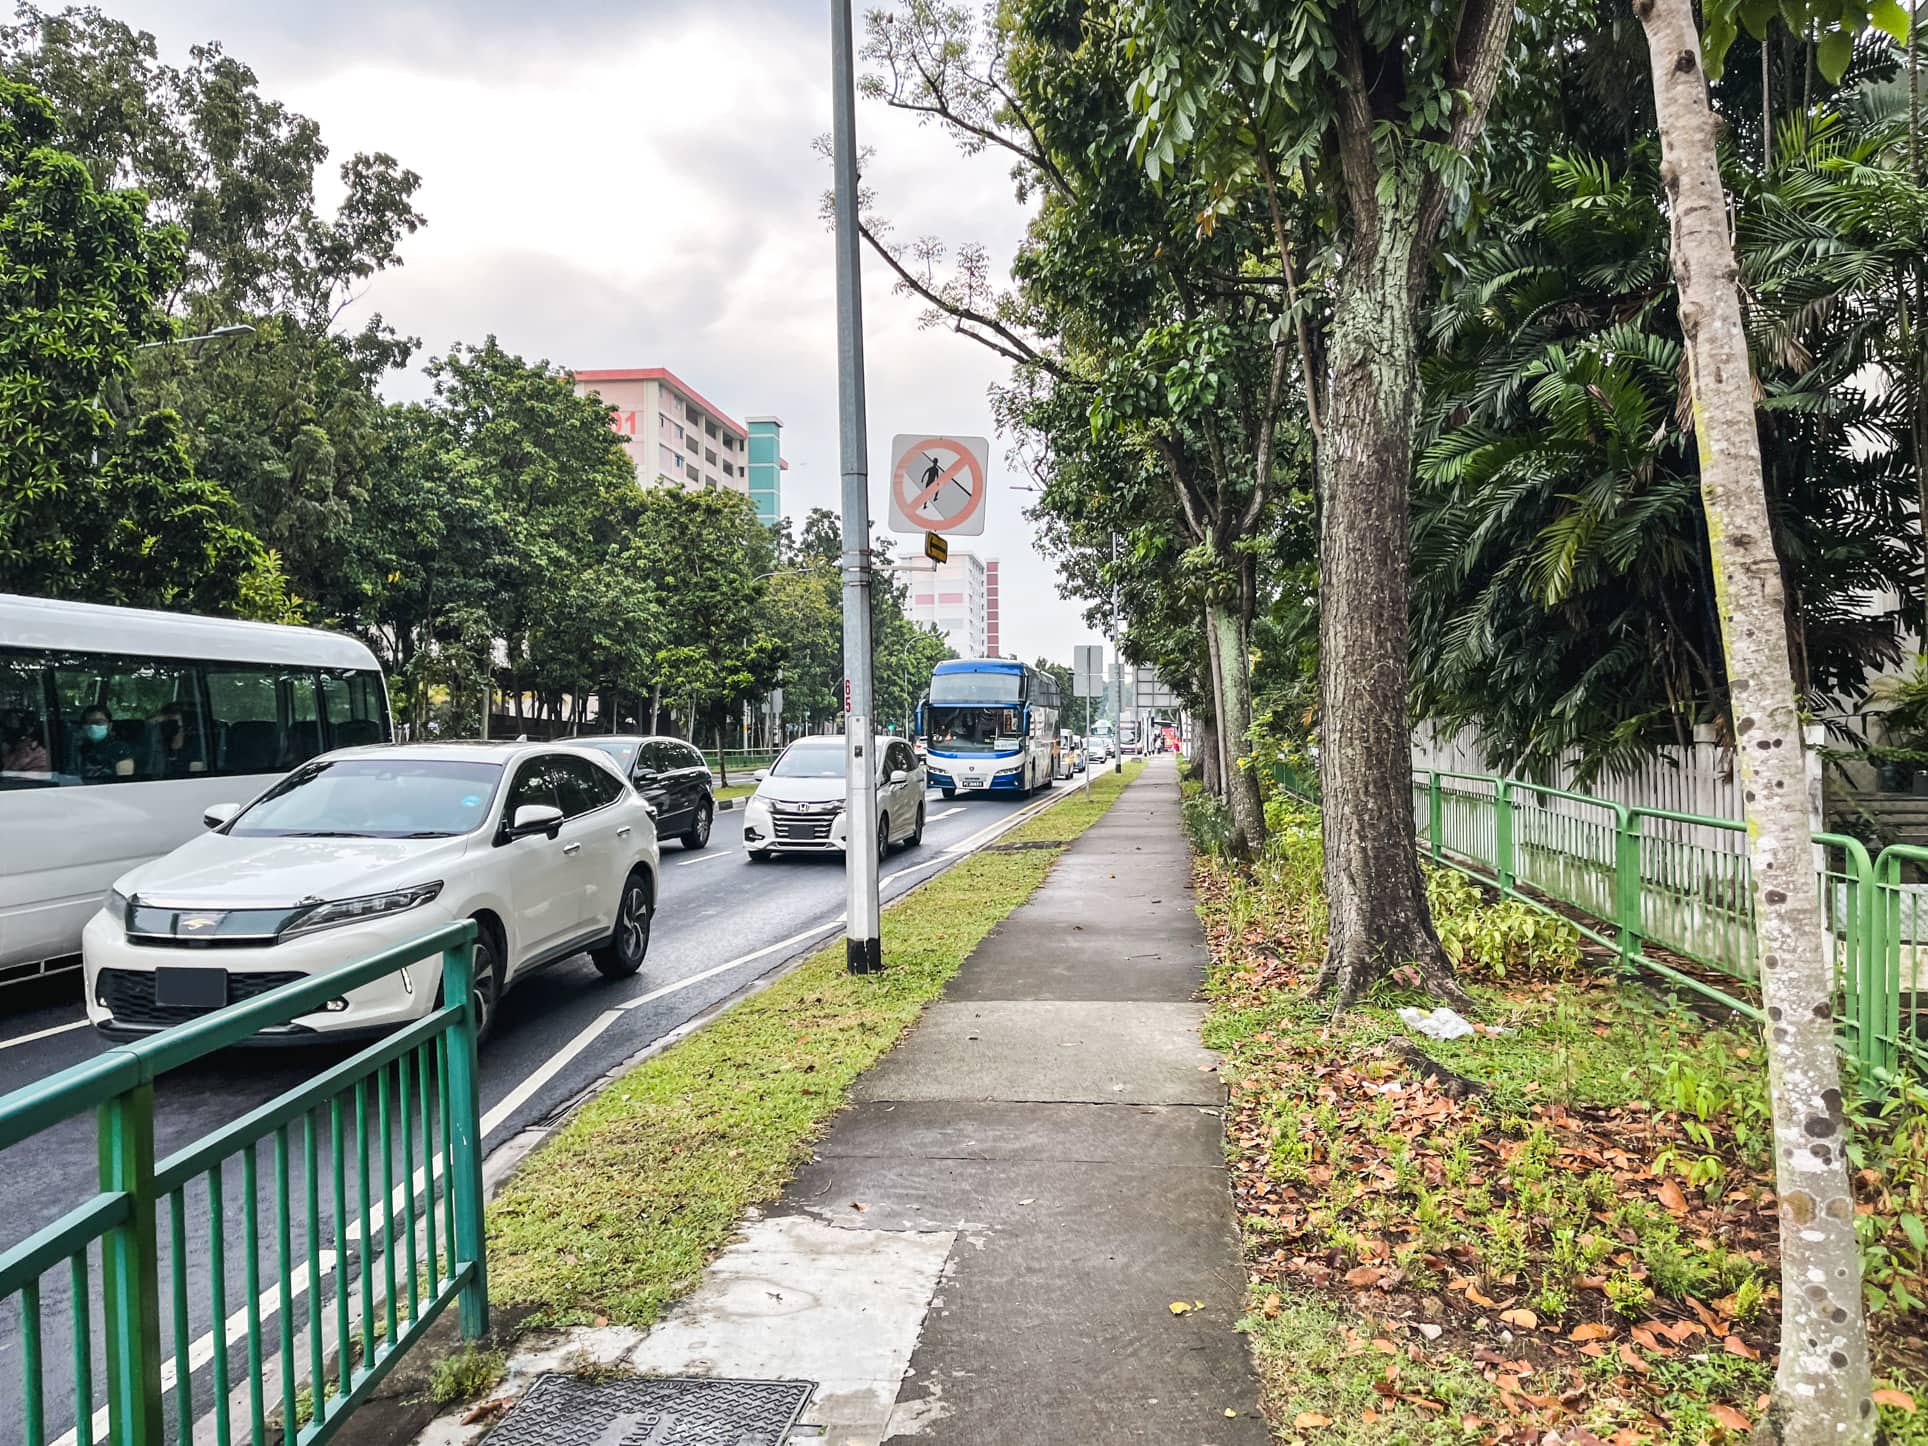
(1205,763)
(1376,897)
(1821,1392)
(1215,781)
(655,706)
(1235,726)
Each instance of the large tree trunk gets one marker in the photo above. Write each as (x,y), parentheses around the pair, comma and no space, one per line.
(1821,1391)
(1205,754)
(1375,894)
(1234,713)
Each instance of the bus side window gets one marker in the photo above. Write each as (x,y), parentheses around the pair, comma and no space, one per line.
(303,739)
(351,703)
(243,705)
(26,755)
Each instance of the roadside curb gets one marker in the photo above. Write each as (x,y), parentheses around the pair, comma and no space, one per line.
(501,1162)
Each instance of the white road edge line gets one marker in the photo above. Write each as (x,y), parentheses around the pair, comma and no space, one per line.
(43,1034)
(706,859)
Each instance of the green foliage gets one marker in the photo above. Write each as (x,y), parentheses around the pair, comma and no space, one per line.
(1560,560)
(1508,941)
(464,1374)
(89,510)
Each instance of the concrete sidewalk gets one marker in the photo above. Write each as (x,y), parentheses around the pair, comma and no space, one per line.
(988,1244)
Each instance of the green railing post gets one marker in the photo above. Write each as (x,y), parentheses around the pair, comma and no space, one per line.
(463,1130)
(1626,887)
(1503,832)
(130,1270)
(1881,989)
(1435,814)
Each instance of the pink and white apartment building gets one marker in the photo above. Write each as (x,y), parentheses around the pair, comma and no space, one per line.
(677,436)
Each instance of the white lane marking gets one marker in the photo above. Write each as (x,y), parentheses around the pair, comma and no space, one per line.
(640,1000)
(42,1034)
(959,808)
(705,859)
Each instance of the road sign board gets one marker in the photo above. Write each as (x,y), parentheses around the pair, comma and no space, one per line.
(1088,671)
(936,548)
(937,484)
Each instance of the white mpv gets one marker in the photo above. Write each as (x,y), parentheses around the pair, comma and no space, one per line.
(548,849)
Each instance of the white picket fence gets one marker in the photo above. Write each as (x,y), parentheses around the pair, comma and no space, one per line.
(1699,778)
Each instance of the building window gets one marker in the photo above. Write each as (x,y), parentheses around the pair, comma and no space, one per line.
(692,413)
(663,421)
(667,458)
(710,427)
(728,470)
(709,455)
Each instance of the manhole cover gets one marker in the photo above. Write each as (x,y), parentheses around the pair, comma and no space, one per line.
(653,1411)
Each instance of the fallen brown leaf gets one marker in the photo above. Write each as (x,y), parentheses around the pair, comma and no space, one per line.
(1897,1400)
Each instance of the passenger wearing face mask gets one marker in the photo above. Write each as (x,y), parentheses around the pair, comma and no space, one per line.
(99,755)
(180,746)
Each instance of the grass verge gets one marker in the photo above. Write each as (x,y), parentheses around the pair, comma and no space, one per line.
(735,790)
(1582,1250)
(620,1213)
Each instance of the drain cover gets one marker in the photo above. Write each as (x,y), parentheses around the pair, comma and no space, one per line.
(653,1411)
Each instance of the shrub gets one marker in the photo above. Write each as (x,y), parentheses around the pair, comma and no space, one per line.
(1496,942)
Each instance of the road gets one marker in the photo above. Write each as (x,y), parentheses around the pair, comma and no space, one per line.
(721,924)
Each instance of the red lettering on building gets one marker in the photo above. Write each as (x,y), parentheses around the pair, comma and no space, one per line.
(624,423)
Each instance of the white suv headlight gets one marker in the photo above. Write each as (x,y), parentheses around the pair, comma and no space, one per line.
(337,912)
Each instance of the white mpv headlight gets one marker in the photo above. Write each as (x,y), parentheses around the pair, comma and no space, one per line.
(367,906)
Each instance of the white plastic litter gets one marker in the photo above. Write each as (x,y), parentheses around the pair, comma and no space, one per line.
(1442,1023)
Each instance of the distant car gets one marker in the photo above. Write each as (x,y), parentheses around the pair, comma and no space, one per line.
(1067,764)
(798,807)
(671,774)
(1098,750)
(545,847)
(1077,755)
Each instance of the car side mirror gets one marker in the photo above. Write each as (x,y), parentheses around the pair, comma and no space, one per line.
(647,775)
(900,776)
(216,814)
(535,818)
(760,774)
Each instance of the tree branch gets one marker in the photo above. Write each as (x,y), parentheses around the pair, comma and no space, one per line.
(1292,300)
(1019,350)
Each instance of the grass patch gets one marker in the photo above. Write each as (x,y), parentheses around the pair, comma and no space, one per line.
(620,1213)
(1587,1242)
(1068,819)
(465,1375)
(735,790)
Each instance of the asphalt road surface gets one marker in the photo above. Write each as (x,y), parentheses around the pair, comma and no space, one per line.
(721,924)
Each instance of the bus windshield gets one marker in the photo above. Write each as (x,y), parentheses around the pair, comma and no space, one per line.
(975,730)
(978,688)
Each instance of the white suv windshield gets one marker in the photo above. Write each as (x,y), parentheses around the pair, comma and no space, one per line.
(374,798)
(811,760)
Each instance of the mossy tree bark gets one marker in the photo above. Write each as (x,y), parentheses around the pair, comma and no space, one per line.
(1822,1388)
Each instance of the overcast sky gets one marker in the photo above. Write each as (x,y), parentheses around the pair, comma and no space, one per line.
(616,185)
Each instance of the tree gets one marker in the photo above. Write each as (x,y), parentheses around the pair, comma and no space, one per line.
(89,510)
(1563,592)
(287,421)
(1380,110)
(1822,1386)
(1143,315)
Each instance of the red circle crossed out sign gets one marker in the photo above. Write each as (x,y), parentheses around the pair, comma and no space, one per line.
(912,493)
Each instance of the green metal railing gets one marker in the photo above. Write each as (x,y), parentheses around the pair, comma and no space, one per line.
(376,1157)
(1653,881)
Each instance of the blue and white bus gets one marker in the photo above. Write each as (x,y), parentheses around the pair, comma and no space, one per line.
(991,726)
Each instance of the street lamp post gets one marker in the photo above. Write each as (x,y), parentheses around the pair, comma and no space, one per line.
(862,951)
(219,332)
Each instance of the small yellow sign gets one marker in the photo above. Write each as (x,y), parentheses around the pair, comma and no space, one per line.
(936,548)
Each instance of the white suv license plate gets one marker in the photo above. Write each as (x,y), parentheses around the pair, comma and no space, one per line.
(973,782)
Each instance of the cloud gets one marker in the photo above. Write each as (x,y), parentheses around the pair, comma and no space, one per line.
(620,185)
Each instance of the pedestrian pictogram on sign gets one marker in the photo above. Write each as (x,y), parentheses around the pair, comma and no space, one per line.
(937,484)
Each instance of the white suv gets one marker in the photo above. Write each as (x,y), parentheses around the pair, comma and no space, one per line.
(798,807)
(547,848)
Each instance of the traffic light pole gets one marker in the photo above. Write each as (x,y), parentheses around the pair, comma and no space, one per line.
(862,952)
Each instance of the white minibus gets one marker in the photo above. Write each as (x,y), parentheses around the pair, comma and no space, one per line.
(119,726)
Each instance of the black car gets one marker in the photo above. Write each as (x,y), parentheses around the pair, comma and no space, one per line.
(671,775)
